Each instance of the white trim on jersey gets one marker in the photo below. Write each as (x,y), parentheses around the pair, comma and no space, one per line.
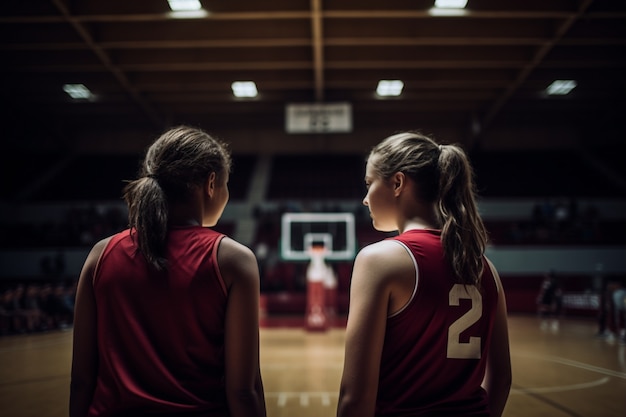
(416,279)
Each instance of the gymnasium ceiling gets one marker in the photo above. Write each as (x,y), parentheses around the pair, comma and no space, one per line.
(146,69)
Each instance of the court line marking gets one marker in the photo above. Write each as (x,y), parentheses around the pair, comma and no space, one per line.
(562,388)
(297,394)
(303,397)
(284,367)
(577,364)
(553,404)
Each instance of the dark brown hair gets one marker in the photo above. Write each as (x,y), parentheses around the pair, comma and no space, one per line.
(179,160)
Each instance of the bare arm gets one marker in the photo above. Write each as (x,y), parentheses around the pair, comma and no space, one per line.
(370,293)
(244,386)
(498,375)
(85,349)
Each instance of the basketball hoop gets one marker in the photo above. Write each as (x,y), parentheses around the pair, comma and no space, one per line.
(317,250)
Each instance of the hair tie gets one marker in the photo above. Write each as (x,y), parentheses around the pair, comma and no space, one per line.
(152,176)
(440,148)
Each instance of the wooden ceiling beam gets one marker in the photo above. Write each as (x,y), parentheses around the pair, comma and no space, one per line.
(306,42)
(146,107)
(317,34)
(485,121)
(304,15)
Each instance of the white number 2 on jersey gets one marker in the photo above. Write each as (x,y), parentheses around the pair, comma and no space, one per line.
(456,348)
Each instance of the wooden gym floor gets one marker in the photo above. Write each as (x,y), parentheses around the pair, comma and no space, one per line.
(557,372)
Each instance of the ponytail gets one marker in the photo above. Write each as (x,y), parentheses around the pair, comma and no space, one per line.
(177,162)
(463,234)
(444,177)
(148,217)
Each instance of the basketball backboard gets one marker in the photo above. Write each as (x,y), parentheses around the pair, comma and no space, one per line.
(334,232)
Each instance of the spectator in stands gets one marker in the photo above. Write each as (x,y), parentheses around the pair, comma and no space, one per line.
(33,314)
(549,301)
(60,311)
(21,322)
(619,305)
(600,285)
(168,322)
(12,310)
(69,295)
(413,295)
(6,313)
(47,307)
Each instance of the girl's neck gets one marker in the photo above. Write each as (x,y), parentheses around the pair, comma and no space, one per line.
(184,222)
(419,217)
(185,215)
(418,224)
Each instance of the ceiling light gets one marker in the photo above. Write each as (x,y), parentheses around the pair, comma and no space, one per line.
(78,91)
(187,9)
(388,88)
(560,87)
(244,89)
(450,4)
(189,14)
(184,5)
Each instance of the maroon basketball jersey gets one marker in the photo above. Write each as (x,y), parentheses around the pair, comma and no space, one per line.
(161,335)
(435,348)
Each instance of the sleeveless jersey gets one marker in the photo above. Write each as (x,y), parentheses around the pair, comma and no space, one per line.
(435,348)
(160,334)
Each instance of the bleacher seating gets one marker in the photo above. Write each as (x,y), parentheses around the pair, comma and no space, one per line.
(102,177)
(315,177)
(528,233)
(298,180)
(90,178)
(540,174)
(241,176)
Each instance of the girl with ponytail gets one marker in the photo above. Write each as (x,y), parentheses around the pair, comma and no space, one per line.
(166,315)
(427,328)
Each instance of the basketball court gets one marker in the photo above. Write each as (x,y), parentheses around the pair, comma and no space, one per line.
(556,372)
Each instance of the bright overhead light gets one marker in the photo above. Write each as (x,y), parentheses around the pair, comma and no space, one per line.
(389,88)
(187,9)
(437,11)
(450,4)
(448,8)
(560,87)
(189,14)
(78,91)
(184,5)
(244,89)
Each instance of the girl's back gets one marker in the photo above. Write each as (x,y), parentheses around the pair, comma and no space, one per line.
(160,334)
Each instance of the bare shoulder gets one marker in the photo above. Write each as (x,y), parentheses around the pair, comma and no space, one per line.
(496,275)
(387,247)
(236,261)
(96,251)
(99,246)
(232,251)
(383,260)
(91,263)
